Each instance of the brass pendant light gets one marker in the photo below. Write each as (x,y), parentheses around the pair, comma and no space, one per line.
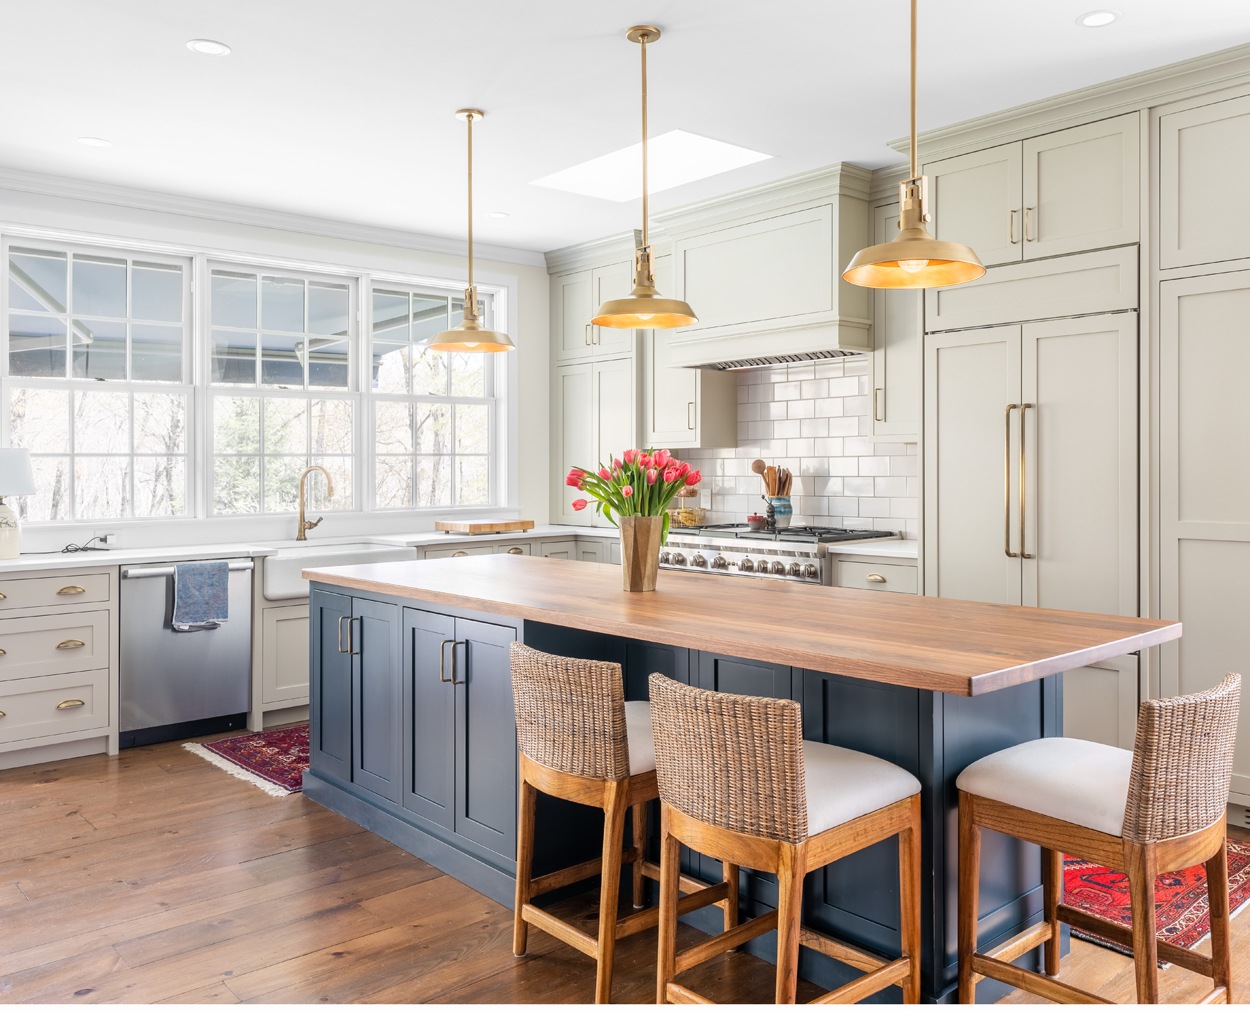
(913,258)
(644,308)
(470,335)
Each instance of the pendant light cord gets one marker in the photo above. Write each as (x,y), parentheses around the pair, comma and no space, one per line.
(915,168)
(469,122)
(643,47)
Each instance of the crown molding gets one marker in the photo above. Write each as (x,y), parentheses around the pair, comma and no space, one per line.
(596,253)
(240,214)
(885,183)
(1170,83)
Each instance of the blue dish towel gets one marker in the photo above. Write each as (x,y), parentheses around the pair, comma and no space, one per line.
(201,595)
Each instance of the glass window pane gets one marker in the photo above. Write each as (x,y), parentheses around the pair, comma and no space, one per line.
(236,485)
(394,482)
(99,286)
(392,368)
(155,353)
(160,486)
(328,308)
(282,483)
(328,360)
(51,500)
(36,345)
(282,304)
(433,428)
(340,468)
(429,315)
(472,480)
(40,275)
(392,427)
(433,481)
(101,425)
(332,427)
(156,292)
(161,424)
(472,428)
(236,426)
(99,347)
(468,374)
(429,373)
(39,420)
(101,487)
(279,364)
(285,428)
(234,358)
(390,315)
(233,299)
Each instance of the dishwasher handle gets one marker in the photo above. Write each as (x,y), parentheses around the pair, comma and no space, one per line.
(151,572)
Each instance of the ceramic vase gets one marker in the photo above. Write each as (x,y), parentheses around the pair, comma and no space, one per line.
(782,510)
(640,550)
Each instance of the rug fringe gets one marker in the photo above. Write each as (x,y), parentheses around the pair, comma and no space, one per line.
(237,772)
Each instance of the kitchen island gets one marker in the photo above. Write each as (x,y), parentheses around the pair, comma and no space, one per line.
(412,731)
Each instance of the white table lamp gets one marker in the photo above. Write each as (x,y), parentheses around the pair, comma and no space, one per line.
(16,478)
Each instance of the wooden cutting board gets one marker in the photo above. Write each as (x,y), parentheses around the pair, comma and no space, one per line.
(483,526)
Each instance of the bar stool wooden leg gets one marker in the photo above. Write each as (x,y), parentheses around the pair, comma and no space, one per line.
(640,849)
(614,808)
(1141,884)
(909,902)
(790,872)
(969,881)
(1217,901)
(526,799)
(670,871)
(1052,895)
(730,905)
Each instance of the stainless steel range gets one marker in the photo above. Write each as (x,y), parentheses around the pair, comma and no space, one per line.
(797,554)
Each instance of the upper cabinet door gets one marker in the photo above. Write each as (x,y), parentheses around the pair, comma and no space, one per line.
(616,280)
(571,311)
(976,199)
(897,329)
(1201,151)
(1081,188)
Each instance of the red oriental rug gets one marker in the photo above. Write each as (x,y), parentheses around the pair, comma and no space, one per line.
(274,760)
(1181,912)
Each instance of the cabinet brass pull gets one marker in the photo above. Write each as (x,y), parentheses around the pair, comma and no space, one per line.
(516,551)
(4,652)
(690,415)
(586,336)
(4,596)
(1011,226)
(70,704)
(342,617)
(875,577)
(454,644)
(3,714)
(442,660)
(70,644)
(459,554)
(351,635)
(1007,481)
(877,413)
(1027,236)
(70,591)
(1023,552)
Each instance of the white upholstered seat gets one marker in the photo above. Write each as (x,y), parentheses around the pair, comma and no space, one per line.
(842,785)
(638,732)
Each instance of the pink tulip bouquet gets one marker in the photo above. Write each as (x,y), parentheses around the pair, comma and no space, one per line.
(641,483)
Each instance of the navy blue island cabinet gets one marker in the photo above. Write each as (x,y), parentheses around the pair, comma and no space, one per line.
(412,732)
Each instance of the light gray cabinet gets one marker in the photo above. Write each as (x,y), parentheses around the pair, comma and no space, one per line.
(1062,192)
(898,337)
(595,418)
(1031,480)
(575,296)
(1204,489)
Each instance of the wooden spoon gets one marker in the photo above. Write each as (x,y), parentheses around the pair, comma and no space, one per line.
(757,466)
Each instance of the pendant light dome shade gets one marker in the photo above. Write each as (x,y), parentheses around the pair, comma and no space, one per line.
(913,258)
(644,308)
(469,334)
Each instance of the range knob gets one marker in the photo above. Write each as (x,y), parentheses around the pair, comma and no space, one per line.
(665,557)
(719,562)
(679,558)
(810,571)
(698,561)
(795,569)
(746,565)
(777,568)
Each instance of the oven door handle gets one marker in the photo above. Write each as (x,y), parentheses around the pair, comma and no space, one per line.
(152,572)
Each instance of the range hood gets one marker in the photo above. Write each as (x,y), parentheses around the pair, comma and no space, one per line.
(763,269)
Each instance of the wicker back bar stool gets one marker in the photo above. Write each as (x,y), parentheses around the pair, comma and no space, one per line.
(581,741)
(1157,808)
(738,783)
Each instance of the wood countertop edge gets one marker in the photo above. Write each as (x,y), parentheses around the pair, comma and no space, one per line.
(862,668)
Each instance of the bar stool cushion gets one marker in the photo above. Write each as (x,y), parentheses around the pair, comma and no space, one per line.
(641,743)
(843,784)
(1081,782)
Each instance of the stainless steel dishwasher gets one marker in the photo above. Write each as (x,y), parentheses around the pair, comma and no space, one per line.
(181,684)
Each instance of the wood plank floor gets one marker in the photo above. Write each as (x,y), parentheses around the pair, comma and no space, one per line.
(154,877)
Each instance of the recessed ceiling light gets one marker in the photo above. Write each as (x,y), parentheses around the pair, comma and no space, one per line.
(677,157)
(498,214)
(208,47)
(94,142)
(1098,19)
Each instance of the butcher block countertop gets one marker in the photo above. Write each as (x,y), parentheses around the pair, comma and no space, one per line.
(958,647)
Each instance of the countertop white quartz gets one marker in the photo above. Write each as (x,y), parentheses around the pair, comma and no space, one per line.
(886,548)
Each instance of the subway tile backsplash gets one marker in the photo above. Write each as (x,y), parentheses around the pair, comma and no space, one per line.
(814,419)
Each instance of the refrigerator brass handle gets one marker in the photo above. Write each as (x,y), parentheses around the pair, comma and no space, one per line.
(875,577)
(70,704)
(1023,552)
(454,644)
(442,660)
(1007,481)
(1027,236)
(342,618)
(1011,226)
(70,591)
(70,644)
(877,413)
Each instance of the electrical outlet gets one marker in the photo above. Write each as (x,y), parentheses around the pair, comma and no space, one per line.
(110,540)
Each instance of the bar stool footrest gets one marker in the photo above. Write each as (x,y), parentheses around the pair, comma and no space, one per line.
(1186,959)
(1032,982)
(734,937)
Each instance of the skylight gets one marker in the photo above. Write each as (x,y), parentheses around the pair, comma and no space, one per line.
(676,158)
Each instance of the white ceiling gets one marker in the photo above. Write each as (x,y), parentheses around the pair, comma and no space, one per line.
(343,109)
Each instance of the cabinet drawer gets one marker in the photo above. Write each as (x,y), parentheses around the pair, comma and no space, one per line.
(53,644)
(468,549)
(47,706)
(878,576)
(515,548)
(45,591)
